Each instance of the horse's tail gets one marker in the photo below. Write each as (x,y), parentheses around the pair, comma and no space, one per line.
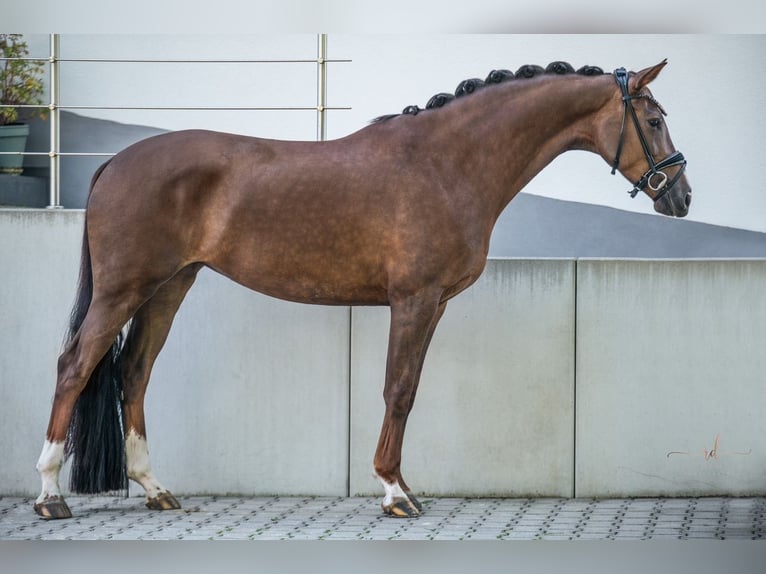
(96,441)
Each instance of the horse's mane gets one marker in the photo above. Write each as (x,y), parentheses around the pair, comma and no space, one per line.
(471,85)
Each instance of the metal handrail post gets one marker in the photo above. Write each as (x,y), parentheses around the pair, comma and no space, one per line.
(54,201)
(322,87)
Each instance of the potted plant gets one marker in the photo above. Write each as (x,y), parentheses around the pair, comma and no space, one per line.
(20,84)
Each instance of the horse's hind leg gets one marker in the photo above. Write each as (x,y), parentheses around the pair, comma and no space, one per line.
(413,322)
(148,333)
(101,326)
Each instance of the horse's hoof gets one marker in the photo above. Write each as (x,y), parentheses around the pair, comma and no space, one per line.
(163,501)
(415,502)
(403,508)
(53,508)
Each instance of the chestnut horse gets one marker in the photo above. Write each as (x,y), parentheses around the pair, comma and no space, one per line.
(399,213)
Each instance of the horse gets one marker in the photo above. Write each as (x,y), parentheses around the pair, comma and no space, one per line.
(398,213)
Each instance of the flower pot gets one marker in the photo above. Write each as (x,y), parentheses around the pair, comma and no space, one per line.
(13,138)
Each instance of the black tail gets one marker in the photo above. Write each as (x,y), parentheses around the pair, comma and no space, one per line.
(96,440)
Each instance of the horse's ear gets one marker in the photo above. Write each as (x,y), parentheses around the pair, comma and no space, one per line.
(643,78)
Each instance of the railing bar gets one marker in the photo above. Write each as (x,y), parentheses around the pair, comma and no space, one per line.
(58,154)
(86,153)
(46,106)
(25,59)
(171,108)
(122,61)
(132,61)
(203,108)
(62,153)
(40,153)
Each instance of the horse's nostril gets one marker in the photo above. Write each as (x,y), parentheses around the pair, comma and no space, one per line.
(688,199)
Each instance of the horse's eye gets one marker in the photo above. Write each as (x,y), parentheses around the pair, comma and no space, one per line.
(655,122)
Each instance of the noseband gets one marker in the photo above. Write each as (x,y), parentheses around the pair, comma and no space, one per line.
(655,178)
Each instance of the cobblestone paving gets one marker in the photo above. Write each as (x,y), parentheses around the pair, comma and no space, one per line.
(339,518)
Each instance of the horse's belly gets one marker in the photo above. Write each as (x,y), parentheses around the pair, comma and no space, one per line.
(329,283)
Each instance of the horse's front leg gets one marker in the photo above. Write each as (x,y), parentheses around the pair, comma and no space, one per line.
(413,321)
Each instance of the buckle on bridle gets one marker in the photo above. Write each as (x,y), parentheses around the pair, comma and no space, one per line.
(659,186)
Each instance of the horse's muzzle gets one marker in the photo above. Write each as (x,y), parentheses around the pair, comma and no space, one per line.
(675,203)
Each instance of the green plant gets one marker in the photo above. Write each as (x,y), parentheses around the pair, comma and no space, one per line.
(20,80)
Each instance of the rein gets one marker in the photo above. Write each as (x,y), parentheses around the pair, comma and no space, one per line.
(661,186)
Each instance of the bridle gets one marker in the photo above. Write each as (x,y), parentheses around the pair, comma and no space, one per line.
(655,178)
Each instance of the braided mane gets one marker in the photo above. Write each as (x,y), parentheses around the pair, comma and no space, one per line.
(472,85)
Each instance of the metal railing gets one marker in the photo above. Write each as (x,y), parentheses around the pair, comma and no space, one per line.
(55,106)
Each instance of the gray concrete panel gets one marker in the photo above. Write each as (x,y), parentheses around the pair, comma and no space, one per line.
(670,378)
(39,262)
(494,411)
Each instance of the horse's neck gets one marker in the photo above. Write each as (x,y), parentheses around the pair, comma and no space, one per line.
(519,129)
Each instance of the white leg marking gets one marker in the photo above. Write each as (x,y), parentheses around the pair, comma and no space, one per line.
(137,453)
(49,467)
(392,490)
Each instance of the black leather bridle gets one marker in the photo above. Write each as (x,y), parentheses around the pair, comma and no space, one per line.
(655,178)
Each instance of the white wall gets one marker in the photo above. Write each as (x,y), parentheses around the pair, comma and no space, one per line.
(714,89)
(547,377)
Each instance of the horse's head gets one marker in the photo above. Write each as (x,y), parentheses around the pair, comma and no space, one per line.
(637,142)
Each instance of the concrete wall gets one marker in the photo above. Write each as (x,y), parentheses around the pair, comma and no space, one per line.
(546,378)
(669,357)
(39,262)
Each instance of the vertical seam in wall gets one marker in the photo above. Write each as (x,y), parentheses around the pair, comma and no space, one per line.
(574,385)
(348,417)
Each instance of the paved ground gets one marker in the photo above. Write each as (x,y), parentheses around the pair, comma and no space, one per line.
(331,518)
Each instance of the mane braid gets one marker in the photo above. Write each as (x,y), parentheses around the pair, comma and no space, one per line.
(473,85)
